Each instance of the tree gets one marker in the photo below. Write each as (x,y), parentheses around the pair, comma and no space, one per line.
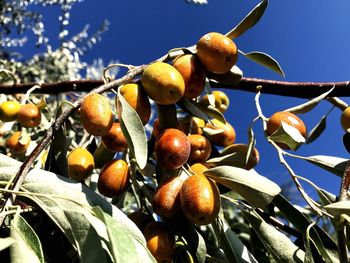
(257,222)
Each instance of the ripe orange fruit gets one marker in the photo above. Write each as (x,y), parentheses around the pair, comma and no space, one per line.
(345,119)
(160,241)
(172,148)
(193,74)
(80,164)
(200,148)
(198,168)
(291,119)
(9,110)
(166,198)
(29,115)
(240,150)
(200,199)
(221,100)
(96,114)
(134,94)
(225,138)
(115,140)
(217,52)
(18,142)
(114,178)
(163,83)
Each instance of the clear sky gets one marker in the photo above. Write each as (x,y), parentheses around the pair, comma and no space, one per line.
(310,39)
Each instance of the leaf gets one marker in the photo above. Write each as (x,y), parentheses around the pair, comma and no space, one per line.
(264,60)
(338,208)
(234,76)
(249,21)
(6,242)
(211,132)
(251,145)
(335,165)
(230,243)
(288,135)
(311,104)
(326,197)
(257,190)
(198,110)
(133,131)
(27,247)
(278,244)
(120,244)
(69,206)
(308,250)
(317,130)
(324,244)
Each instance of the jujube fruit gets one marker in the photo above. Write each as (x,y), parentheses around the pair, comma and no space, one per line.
(198,168)
(224,138)
(115,140)
(200,148)
(221,100)
(80,164)
(193,74)
(163,83)
(240,151)
(166,198)
(9,110)
(172,148)
(217,52)
(96,114)
(275,122)
(134,94)
(200,199)
(160,241)
(345,119)
(192,125)
(29,115)
(114,178)
(18,142)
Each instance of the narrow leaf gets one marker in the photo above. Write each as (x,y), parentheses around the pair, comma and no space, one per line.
(133,131)
(308,250)
(234,76)
(249,21)
(264,60)
(257,190)
(233,247)
(251,145)
(278,244)
(338,208)
(311,104)
(317,130)
(27,247)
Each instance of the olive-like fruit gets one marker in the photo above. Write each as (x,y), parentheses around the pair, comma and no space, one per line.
(18,142)
(80,164)
(222,101)
(200,148)
(224,138)
(115,140)
(29,115)
(345,119)
(9,110)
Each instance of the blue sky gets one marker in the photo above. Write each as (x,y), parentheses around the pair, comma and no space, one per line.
(310,39)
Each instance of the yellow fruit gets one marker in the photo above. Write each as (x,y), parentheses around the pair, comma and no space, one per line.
(198,168)
(9,110)
(345,119)
(18,142)
(200,199)
(137,99)
(163,83)
(225,138)
(29,115)
(80,164)
(291,119)
(217,52)
(96,114)
(221,100)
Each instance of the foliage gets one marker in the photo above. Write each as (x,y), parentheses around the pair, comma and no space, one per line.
(256,223)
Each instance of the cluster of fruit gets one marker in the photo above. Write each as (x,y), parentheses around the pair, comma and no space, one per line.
(27,115)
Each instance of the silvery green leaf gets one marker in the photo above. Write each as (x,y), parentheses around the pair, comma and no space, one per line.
(338,208)
(257,190)
(210,131)
(311,104)
(27,247)
(6,242)
(288,135)
(234,76)
(133,131)
(317,130)
(264,60)
(249,21)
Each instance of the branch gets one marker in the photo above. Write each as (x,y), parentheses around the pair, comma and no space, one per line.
(283,88)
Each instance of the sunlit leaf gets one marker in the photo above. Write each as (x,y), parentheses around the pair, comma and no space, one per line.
(338,208)
(133,131)
(234,76)
(249,21)
(27,247)
(6,242)
(317,130)
(288,135)
(230,243)
(278,244)
(311,104)
(257,190)
(264,60)
(251,144)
